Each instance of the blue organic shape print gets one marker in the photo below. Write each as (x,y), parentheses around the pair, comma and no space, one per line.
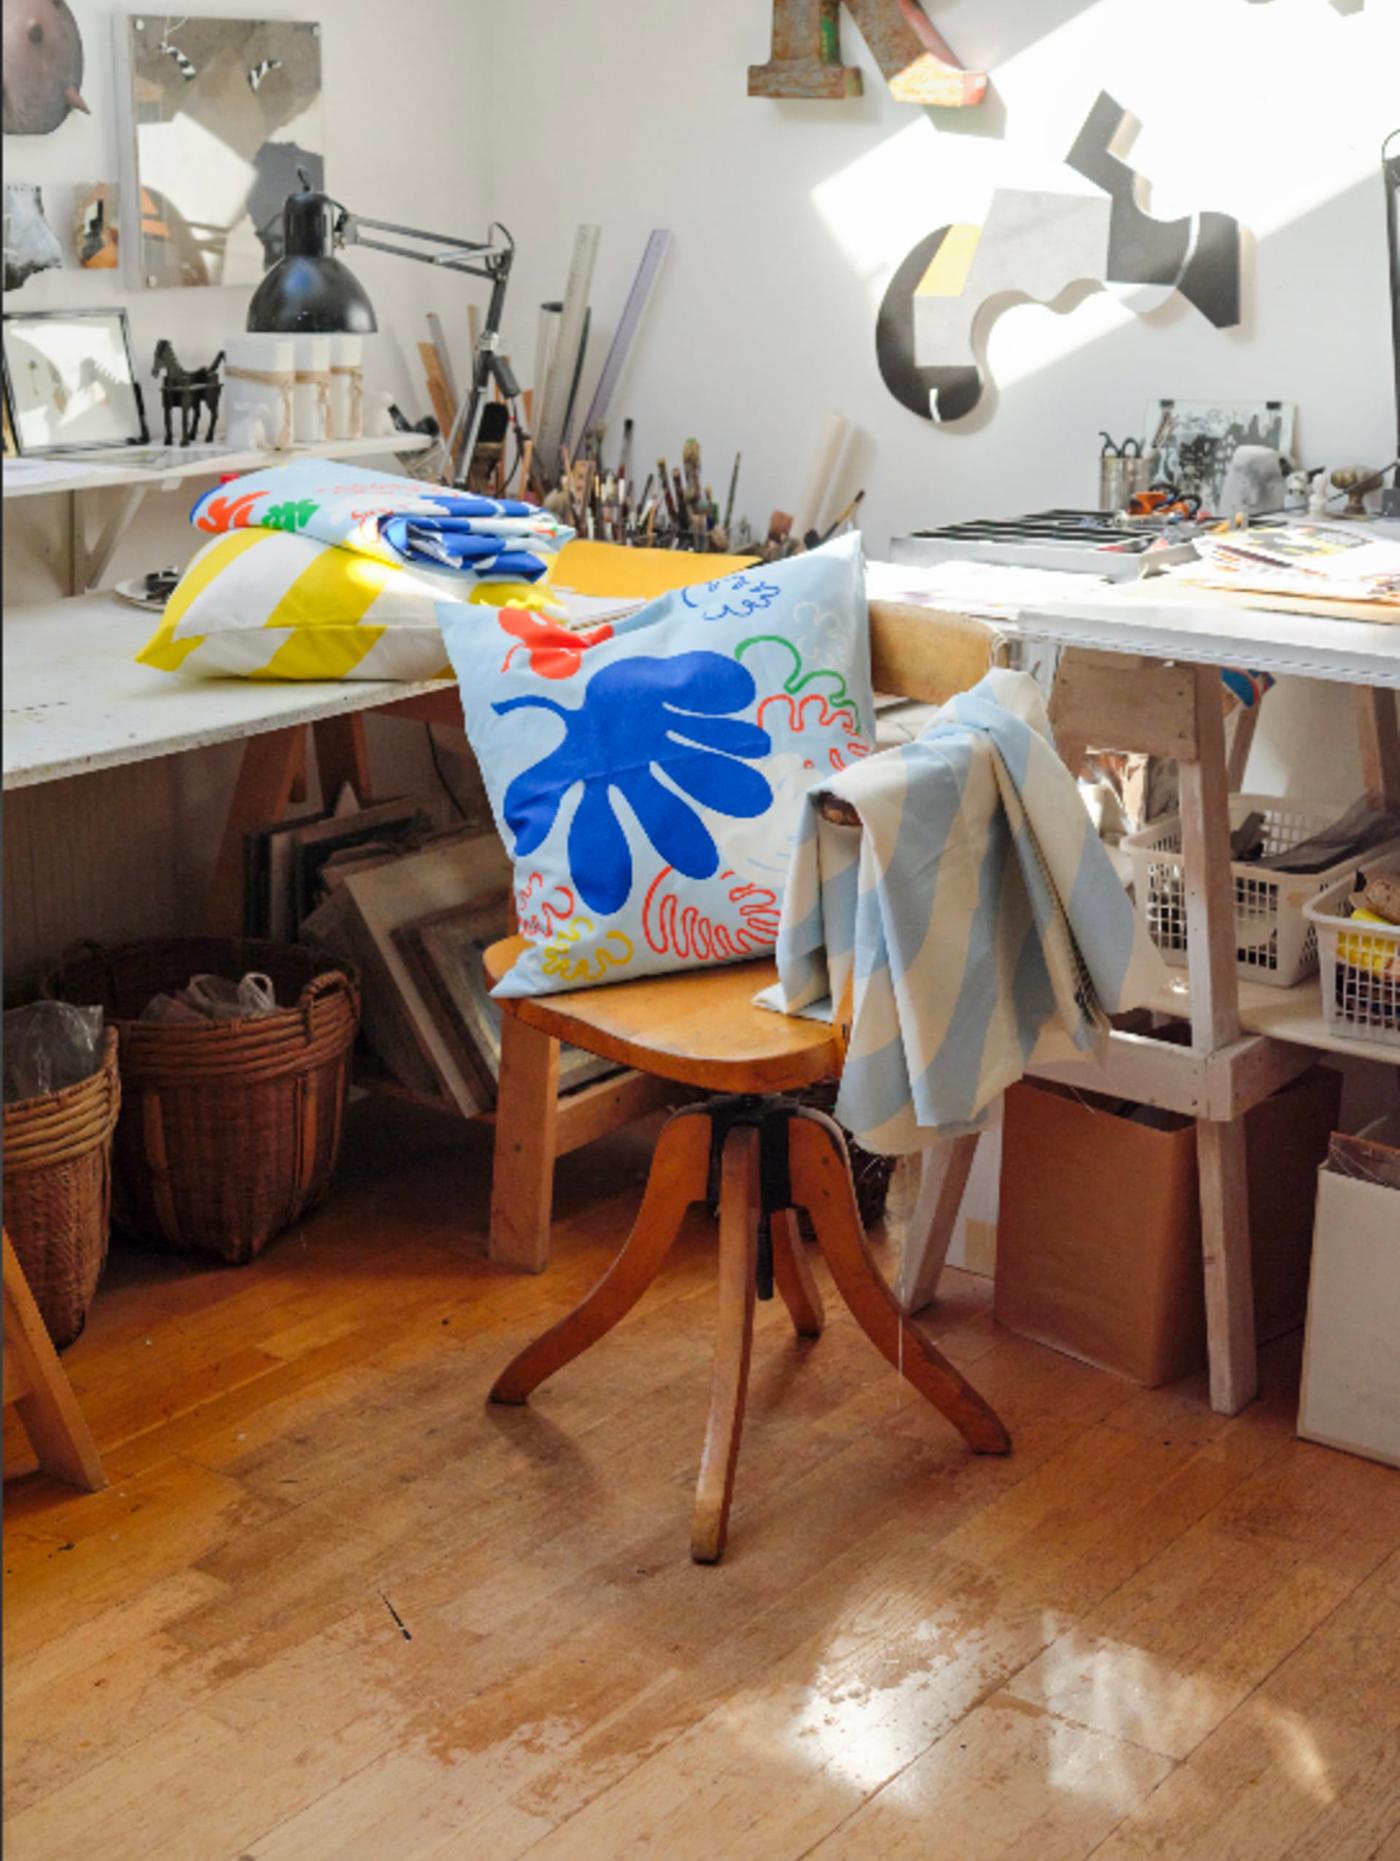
(732,597)
(639,716)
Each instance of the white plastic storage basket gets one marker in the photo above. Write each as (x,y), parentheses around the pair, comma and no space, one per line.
(1274,942)
(1360,965)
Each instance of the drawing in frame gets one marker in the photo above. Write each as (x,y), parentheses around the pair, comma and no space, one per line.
(70,385)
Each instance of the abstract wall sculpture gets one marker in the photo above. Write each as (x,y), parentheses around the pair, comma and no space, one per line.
(806,58)
(1034,245)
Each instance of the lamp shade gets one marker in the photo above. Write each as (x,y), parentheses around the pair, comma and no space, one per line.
(310,289)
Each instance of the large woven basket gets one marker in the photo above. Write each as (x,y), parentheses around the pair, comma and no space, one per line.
(58,1192)
(229,1132)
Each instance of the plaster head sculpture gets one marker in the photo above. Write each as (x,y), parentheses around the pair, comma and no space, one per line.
(1253,482)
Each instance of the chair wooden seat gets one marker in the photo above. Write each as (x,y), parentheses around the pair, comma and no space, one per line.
(699,1027)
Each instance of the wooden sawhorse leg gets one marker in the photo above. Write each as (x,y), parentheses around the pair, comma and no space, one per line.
(1215,1023)
(36,1383)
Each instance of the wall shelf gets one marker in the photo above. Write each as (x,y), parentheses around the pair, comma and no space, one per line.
(88,562)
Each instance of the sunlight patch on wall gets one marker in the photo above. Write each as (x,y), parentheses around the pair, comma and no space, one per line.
(1266,114)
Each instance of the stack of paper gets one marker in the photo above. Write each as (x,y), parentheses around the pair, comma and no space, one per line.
(1317,561)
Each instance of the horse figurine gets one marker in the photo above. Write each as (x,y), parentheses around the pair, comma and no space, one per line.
(188,389)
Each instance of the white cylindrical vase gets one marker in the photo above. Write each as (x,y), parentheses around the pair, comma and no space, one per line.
(347,387)
(258,383)
(312,395)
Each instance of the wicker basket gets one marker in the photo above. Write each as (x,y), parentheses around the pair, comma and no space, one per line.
(58,1192)
(230,1131)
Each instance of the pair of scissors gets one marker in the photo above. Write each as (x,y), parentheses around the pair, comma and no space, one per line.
(1130,448)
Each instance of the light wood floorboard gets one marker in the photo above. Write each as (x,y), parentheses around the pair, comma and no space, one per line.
(1152,1631)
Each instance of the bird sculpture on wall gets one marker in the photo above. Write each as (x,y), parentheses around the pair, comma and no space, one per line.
(43,52)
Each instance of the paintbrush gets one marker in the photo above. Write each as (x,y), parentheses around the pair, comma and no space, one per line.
(682,503)
(690,459)
(814,541)
(733,487)
(666,497)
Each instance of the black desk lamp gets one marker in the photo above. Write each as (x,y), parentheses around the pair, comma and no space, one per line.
(309,291)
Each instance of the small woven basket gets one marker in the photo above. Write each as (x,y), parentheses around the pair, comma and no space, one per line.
(58,1192)
(229,1132)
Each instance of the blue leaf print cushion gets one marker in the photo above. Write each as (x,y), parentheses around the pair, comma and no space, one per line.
(648,785)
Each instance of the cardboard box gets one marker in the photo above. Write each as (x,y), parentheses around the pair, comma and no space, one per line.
(1099,1235)
(1350,1396)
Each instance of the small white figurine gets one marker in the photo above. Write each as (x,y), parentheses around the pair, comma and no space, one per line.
(379,422)
(1321,491)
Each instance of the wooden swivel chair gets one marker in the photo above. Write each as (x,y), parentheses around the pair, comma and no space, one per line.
(749,1151)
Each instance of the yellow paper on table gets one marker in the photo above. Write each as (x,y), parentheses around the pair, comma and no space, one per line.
(270,604)
(609,569)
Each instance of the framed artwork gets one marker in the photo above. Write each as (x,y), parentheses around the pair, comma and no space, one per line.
(224,116)
(445,952)
(69,382)
(1196,440)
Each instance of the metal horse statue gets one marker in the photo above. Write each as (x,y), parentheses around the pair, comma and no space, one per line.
(189,390)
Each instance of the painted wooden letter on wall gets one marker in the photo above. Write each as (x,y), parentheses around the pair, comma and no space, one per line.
(916,60)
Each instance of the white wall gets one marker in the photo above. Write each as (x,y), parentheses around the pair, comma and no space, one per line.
(789,218)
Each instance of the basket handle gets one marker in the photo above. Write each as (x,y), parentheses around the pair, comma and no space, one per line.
(89,947)
(329,983)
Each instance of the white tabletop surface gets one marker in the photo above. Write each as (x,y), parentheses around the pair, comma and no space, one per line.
(76,701)
(79,471)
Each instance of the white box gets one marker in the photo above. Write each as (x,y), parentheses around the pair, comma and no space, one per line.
(1350,1396)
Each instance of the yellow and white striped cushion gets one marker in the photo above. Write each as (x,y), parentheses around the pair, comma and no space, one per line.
(270,604)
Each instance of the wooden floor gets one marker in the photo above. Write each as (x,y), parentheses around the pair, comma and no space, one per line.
(332,1606)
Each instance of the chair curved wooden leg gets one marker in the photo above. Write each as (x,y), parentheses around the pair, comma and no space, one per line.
(793,1275)
(821,1182)
(738,1254)
(679,1175)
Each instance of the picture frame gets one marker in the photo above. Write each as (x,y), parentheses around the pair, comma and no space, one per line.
(445,953)
(70,383)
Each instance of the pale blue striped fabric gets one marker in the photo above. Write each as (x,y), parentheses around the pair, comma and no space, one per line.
(984,920)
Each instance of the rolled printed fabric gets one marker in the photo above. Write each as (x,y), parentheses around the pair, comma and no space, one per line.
(404,521)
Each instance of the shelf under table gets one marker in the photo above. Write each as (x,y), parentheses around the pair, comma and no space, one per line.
(1283,1014)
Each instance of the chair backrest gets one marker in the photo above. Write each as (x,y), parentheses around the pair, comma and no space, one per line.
(918,653)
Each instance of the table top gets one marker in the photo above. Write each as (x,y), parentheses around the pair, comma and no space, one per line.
(1167,619)
(99,472)
(76,701)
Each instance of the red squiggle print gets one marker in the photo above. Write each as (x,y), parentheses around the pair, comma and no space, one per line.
(671,928)
(554,651)
(840,756)
(855,751)
(797,712)
(542,922)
